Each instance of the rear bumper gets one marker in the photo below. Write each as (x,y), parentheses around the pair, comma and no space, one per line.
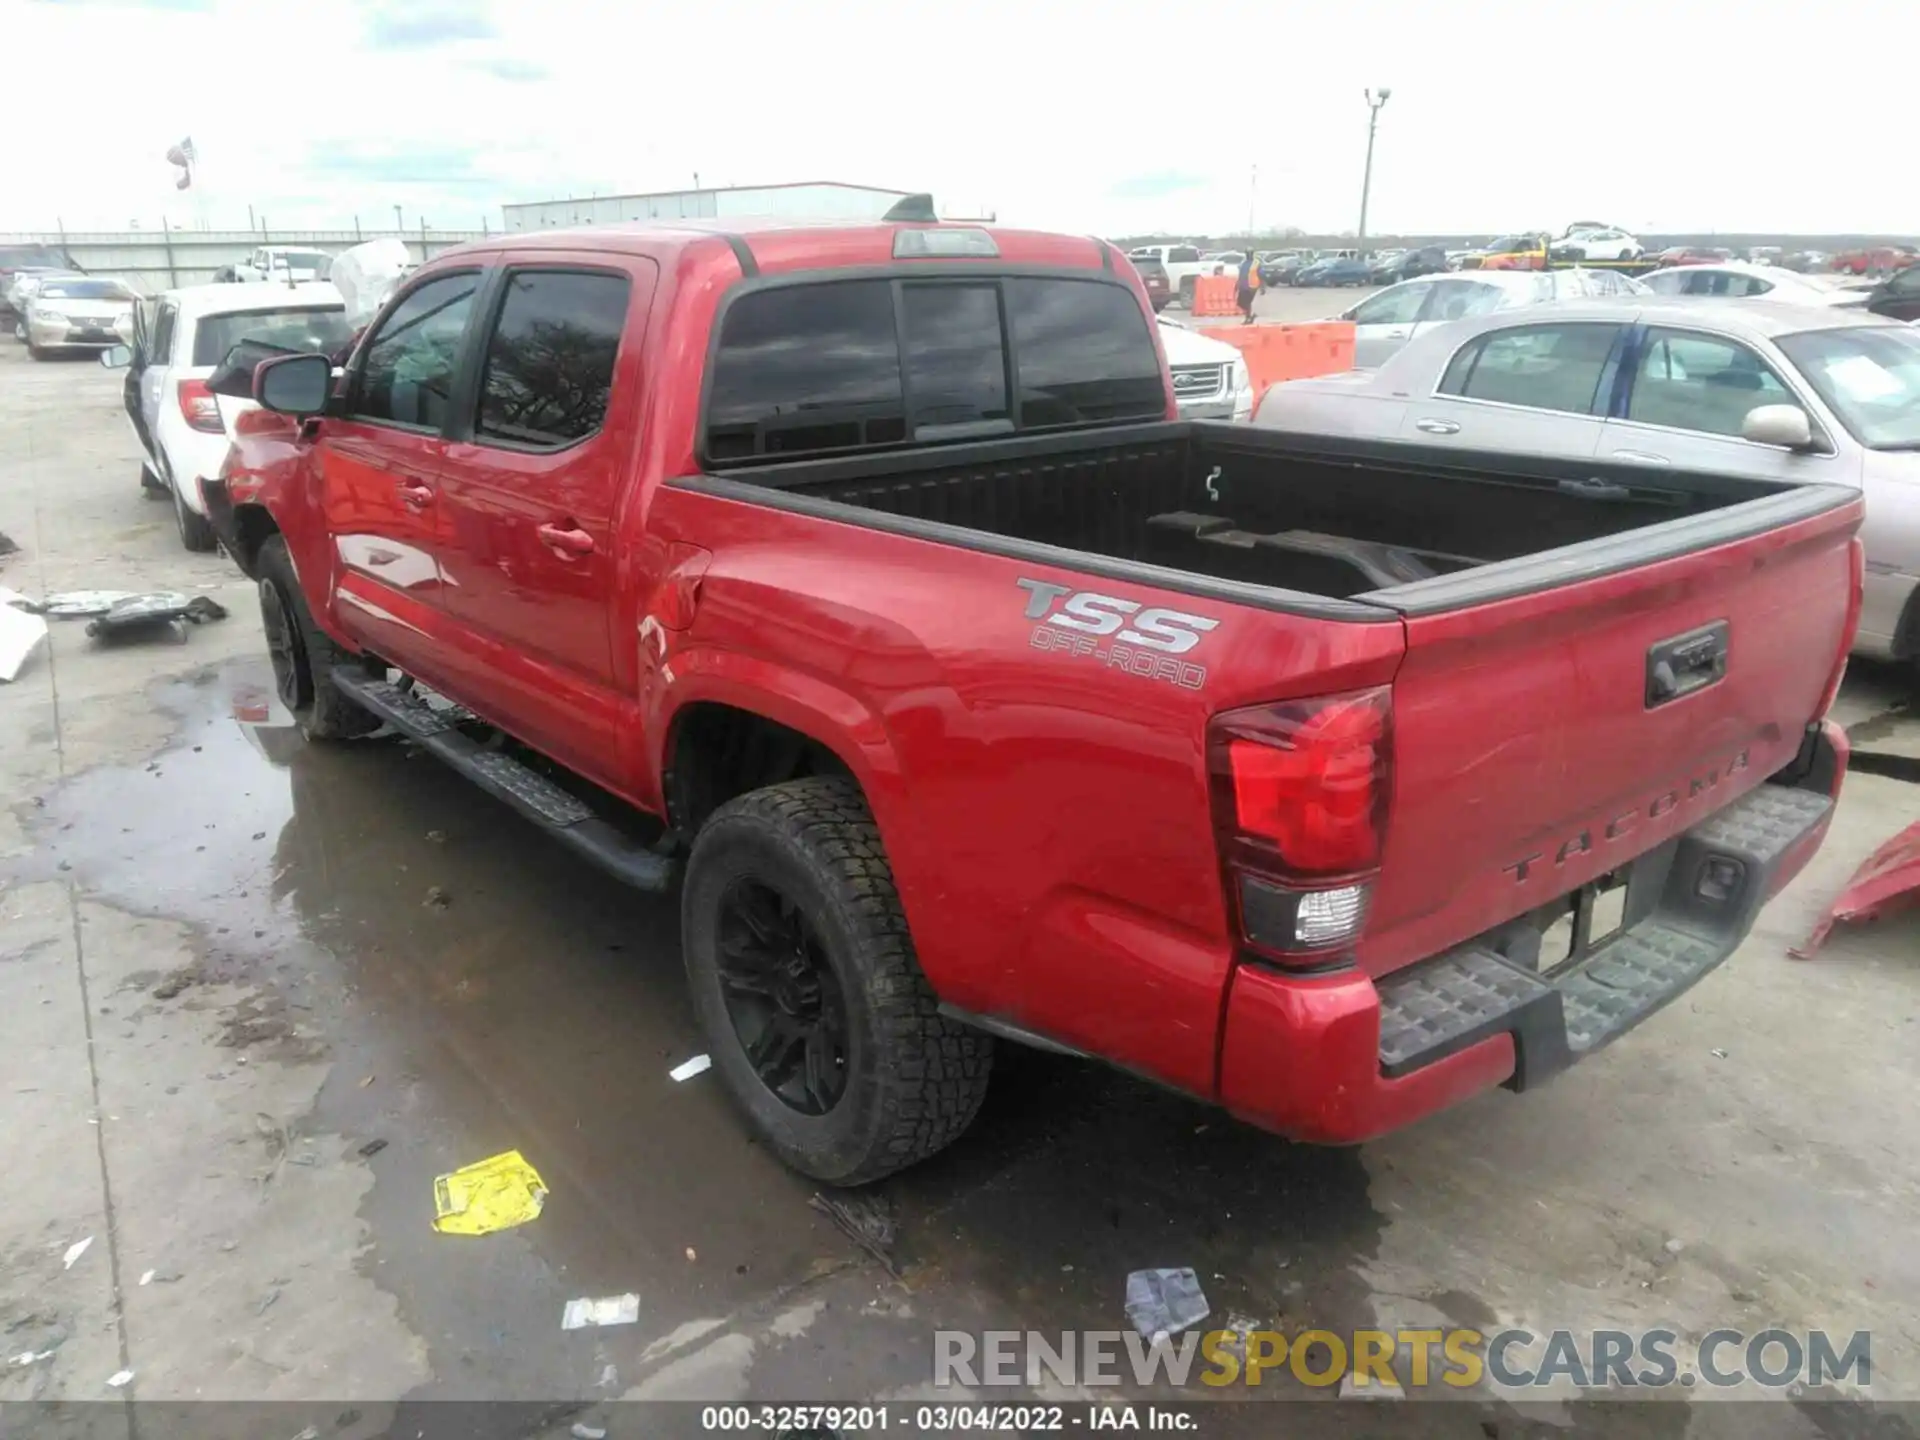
(1339,1059)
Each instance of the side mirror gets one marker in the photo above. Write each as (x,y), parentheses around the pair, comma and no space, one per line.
(297,385)
(117,357)
(1784,425)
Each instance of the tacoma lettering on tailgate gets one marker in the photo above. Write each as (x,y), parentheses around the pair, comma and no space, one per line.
(1585,842)
(1116,632)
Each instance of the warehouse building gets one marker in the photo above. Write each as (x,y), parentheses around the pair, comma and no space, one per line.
(811,199)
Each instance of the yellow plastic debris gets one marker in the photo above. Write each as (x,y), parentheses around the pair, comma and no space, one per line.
(494,1194)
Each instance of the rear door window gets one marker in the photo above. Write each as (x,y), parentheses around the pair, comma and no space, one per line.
(1540,367)
(1399,305)
(549,365)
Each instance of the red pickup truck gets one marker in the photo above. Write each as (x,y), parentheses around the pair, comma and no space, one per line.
(861,581)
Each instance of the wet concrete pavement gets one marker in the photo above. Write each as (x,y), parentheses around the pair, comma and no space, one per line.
(232,963)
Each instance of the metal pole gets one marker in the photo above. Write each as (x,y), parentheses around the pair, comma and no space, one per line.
(397,222)
(356,227)
(1253,191)
(1366,181)
(249,217)
(166,235)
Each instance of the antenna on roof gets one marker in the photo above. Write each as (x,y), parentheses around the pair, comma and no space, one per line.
(911,208)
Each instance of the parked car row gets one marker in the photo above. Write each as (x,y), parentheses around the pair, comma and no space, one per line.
(1386,322)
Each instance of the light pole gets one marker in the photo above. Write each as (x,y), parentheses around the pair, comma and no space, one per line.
(1375,99)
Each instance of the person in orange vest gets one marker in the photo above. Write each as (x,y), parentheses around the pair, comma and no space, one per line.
(1247,287)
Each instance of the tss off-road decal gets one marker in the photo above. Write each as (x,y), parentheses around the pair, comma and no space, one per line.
(1122,634)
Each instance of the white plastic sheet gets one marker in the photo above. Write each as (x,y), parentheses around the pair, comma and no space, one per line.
(367,274)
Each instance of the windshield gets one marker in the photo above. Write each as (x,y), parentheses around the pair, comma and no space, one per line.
(84,290)
(314,330)
(1869,376)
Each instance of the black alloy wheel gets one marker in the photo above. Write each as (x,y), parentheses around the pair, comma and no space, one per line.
(782,996)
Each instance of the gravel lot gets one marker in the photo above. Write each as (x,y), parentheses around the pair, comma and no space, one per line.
(256,995)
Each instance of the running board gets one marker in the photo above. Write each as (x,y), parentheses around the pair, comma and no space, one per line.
(559,813)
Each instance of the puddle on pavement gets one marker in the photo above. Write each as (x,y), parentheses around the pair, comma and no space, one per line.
(540,1007)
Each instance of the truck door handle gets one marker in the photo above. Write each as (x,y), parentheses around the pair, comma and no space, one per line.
(415,497)
(566,542)
(1437,427)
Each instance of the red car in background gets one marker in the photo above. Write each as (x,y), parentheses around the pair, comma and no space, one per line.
(1875,259)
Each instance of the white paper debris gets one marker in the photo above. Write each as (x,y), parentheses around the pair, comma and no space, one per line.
(20,635)
(588,1432)
(75,1251)
(687,1069)
(119,1378)
(612,1310)
(147,1277)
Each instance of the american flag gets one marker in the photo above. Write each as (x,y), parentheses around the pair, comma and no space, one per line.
(184,156)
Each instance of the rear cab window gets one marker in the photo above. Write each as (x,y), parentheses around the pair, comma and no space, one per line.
(316,329)
(829,366)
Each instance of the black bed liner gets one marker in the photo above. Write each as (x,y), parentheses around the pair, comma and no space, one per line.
(1327,527)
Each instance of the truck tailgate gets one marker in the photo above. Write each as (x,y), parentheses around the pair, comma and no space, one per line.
(1543,739)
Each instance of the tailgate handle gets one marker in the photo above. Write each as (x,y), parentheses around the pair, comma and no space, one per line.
(1686,663)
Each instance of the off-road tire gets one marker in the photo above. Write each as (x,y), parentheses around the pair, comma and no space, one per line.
(915,1079)
(304,674)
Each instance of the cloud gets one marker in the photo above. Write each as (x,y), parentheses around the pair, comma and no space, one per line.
(513,70)
(377,164)
(188,5)
(1154,186)
(428,23)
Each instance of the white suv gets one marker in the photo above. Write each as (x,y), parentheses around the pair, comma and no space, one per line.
(285,264)
(1183,263)
(179,339)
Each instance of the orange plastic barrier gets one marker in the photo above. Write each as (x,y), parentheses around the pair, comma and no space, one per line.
(1213,295)
(1289,352)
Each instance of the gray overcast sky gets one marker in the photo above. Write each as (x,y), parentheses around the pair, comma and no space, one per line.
(1113,117)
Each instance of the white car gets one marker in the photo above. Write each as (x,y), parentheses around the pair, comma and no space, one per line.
(1210,379)
(182,426)
(1385,321)
(1606,244)
(1736,280)
(286,264)
(76,312)
(1183,264)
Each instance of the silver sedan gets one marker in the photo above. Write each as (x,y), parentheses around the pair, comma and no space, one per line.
(1382,323)
(1764,389)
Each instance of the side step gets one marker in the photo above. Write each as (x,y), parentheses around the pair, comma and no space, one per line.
(560,814)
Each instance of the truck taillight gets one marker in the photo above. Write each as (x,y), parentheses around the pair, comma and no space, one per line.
(199,407)
(1300,799)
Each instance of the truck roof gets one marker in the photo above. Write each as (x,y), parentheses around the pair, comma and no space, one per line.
(784,243)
